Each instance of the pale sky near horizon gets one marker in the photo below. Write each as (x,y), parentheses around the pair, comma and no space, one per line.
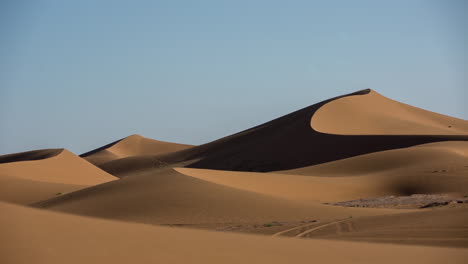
(80,74)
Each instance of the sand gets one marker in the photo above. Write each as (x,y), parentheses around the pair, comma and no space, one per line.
(133,145)
(34,176)
(375,114)
(276,193)
(37,236)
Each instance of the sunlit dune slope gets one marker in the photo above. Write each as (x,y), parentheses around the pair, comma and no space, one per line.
(64,167)
(169,197)
(65,238)
(398,181)
(290,142)
(26,191)
(375,114)
(133,145)
(37,175)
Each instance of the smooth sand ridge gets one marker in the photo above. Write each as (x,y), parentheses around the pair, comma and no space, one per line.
(33,176)
(290,142)
(65,238)
(375,114)
(169,197)
(133,145)
(336,189)
(441,158)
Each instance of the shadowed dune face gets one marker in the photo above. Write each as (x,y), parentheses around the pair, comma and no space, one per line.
(134,145)
(289,142)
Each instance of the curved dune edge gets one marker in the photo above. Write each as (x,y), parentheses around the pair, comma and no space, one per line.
(439,158)
(374,114)
(30,155)
(333,189)
(117,242)
(134,145)
(63,168)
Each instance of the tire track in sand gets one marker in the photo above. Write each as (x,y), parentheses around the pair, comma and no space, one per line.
(302,234)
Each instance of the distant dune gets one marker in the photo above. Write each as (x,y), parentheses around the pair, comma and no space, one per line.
(353,174)
(37,175)
(134,145)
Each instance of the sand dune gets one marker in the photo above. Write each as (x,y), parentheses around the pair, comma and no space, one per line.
(66,238)
(37,175)
(431,168)
(133,145)
(64,167)
(169,197)
(360,145)
(375,114)
(289,142)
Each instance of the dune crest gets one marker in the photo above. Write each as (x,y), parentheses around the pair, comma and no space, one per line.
(374,114)
(133,145)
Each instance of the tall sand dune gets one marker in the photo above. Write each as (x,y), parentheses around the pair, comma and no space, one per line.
(134,145)
(66,238)
(291,142)
(33,176)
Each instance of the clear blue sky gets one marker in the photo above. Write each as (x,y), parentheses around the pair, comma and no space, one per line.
(80,74)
